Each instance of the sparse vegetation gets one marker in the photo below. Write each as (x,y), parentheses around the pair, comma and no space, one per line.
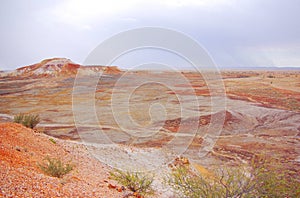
(259,180)
(136,182)
(227,183)
(274,180)
(29,120)
(55,167)
(52,140)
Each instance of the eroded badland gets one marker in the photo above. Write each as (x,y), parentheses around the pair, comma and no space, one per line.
(259,111)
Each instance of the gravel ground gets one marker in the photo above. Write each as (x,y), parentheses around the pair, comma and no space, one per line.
(20,152)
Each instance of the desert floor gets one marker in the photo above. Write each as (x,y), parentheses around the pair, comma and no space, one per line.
(142,120)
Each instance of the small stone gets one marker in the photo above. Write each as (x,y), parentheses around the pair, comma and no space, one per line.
(111,186)
(120,188)
(18,148)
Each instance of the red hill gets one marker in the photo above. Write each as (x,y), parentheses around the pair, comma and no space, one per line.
(59,67)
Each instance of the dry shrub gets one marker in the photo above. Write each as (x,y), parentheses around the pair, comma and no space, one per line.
(55,167)
(136,182)
(263,178)
(29,120)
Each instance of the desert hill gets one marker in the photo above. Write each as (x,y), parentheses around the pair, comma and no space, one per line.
(55,67)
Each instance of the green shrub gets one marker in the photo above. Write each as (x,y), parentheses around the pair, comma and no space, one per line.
(226,183)
(136,182)
(261,179)
(29,121)
(55,167)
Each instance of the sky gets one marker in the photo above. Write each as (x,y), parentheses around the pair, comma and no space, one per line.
(236,33)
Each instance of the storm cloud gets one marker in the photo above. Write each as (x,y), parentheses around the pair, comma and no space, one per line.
(235,33)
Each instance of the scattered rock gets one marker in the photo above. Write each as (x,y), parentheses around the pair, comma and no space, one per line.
(111,186)
(18,148)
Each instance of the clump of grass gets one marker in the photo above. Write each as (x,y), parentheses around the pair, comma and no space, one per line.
(52,140)
(55,167)
(136,182)
(29,120)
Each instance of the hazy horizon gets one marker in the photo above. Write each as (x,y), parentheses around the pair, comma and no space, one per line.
(159,67)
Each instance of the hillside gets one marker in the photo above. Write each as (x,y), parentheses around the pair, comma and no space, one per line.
(22,149)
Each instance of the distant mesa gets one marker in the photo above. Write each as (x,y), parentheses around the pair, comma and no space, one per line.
(50,67)
(56,67)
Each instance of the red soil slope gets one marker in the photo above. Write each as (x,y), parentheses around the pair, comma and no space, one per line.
(21,150)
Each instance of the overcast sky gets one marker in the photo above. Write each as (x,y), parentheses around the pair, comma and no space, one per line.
(235,32)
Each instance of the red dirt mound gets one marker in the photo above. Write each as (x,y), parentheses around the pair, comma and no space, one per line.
(20,152)
(60,67)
